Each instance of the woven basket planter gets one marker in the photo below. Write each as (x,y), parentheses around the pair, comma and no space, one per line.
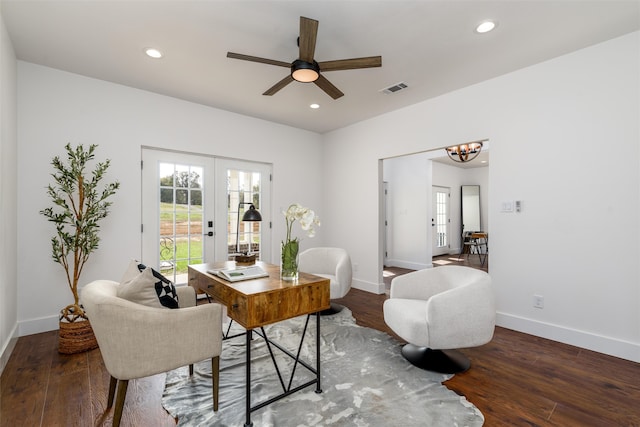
(76,337)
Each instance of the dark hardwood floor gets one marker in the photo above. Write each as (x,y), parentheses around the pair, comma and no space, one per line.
(515,380)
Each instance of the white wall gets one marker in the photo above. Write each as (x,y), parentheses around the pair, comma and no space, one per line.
(8,198)
(565,140)
(56,107)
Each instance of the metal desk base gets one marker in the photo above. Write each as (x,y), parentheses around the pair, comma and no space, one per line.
(287,389)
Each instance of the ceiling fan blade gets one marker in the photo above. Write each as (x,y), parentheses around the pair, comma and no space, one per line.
(276,87)
(307,40)
(351,64)
(328,87)
(257,59)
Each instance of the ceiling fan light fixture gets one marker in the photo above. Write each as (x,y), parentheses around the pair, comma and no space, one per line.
(305,72)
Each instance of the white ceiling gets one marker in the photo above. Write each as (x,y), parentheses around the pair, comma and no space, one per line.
(429,45)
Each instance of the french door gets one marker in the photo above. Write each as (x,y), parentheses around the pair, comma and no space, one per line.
(440,220)
(187,211)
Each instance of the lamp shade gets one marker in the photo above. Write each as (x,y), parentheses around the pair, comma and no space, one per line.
(252,214)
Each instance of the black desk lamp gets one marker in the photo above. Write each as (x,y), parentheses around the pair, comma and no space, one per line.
(253,215)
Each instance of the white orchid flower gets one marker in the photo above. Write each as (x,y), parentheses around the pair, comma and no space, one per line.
(306,216)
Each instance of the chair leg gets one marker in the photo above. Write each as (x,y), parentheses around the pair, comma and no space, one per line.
(112,391)
(191,369)
(122,393)
(215,377)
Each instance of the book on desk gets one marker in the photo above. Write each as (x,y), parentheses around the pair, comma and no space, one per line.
(237,274)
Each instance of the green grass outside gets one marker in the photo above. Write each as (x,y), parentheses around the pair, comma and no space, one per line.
(182,253)
(181,213)
(182,245)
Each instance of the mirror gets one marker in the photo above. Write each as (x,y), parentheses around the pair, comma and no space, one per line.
(471,208)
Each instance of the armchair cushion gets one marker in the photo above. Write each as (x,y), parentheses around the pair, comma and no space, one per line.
(144,285)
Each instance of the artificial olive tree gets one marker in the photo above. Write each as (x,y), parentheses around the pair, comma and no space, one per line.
(78,208)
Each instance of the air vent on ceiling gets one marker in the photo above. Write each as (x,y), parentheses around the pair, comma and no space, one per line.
(395,88)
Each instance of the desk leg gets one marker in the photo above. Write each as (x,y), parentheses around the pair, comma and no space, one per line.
(248,377)
(318,388)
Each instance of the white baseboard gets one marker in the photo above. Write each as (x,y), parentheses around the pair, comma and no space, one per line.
(8,347)
(36,326)
(374,288)
(407,264)
(601,344)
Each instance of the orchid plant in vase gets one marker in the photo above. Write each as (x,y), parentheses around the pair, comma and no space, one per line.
(308,219)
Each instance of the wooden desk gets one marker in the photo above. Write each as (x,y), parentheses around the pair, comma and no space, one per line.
(255,303)
(258,302)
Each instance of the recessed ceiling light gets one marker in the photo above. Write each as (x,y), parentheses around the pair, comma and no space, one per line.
(485,27)
(153,53)
(314,106)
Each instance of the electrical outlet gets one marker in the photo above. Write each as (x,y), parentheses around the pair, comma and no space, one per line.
(538,301)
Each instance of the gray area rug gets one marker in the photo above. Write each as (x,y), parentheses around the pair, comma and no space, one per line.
(365,382)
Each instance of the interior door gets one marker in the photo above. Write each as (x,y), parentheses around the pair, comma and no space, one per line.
(386,223)
(177,211)
(440,220)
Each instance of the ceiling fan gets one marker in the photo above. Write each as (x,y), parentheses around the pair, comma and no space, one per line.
(305,69)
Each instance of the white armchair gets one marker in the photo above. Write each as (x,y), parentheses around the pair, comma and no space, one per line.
(440,309)
(333,264)
(138,341)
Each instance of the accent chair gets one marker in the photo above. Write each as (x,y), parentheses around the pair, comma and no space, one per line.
(438,310)
(333,264)
(137,341)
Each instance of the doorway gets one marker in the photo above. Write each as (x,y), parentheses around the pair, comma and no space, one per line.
(409,240)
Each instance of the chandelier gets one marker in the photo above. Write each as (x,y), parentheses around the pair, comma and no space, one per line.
(464,152)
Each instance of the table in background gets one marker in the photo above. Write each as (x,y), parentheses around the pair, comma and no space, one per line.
(478,240)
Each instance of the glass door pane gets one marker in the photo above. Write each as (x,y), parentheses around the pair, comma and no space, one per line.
(440,220)
(181,218)
(177,212)
(243,187)
(243,183)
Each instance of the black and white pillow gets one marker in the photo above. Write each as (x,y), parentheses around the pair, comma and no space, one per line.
(144,285)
